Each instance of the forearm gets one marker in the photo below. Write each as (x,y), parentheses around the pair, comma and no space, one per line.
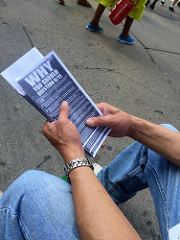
(158,138)
(97,215)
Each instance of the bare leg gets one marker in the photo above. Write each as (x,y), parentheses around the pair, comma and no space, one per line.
(171,8)
(152,5)
(99,11)
(127,26)
(174,2)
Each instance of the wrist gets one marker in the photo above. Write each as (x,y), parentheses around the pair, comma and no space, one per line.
(132,132)
(73,154)
(80,173)
(75,164)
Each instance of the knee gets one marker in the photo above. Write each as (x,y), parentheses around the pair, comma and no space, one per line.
(40,182)
(169,126)
(31,176)
(35,182)
(29,183)
(31,180)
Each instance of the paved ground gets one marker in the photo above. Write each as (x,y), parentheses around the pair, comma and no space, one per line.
(142,79)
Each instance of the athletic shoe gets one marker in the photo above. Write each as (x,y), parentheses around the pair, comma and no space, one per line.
(171,9)
(162,3)
(1,193)
(129,40)
(91,28)
(97,168)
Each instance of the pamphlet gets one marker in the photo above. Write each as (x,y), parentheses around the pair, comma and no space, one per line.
(45,82)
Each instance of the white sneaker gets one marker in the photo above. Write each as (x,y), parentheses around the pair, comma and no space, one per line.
(1,193)
(97,168)
(162,3)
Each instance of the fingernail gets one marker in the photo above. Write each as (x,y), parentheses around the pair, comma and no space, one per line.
(90,122)
(64,103)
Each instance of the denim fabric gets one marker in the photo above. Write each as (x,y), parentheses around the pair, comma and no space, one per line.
(40,206)
(137,168)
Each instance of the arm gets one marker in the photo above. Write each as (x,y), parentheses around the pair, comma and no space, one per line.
(159,139)
(97,215)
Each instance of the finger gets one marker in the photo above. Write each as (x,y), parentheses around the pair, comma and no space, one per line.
(107,108)
(45,127)
(103,145)
(98,121)
(51,125)
(100,106)
(103,108)
(64,111)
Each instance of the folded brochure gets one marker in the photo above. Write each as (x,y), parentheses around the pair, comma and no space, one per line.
(45,82)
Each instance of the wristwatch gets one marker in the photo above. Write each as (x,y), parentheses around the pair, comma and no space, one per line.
(78,162)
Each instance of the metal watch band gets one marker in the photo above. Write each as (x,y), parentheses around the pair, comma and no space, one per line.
(78,162)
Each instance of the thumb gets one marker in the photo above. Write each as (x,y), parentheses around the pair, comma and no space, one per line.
(98,121)
(64,111)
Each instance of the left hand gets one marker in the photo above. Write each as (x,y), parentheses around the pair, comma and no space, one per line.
(64,135)
(118,121)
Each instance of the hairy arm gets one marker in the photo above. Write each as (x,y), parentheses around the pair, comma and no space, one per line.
(158,138)
(97,215)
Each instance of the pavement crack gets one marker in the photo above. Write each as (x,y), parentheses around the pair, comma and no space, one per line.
(144,46)
(152,59)
(122,74)
(3,22)
(147,88)
(24,28)
(94,68)
(162,50)
(28,37)
(46,158)
(156,49)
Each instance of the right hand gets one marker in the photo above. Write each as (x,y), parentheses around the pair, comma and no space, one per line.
(118,121)
(64,135)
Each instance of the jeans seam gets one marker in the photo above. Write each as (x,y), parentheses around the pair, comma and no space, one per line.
(111,189)
(150,167)
(138,170)
(134,173)
(16,214)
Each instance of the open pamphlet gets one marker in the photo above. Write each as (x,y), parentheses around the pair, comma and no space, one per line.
(45,82)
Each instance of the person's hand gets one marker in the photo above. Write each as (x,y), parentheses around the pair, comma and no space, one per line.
(120,122)
(64,136)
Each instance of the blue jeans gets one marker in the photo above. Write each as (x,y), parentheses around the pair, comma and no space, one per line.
(40,206)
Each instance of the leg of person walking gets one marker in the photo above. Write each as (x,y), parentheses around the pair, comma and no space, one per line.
(38,206)
(171,7)
(152,5)
(127,26)
(136,168)
(124,36)
(135,14)
(93,25)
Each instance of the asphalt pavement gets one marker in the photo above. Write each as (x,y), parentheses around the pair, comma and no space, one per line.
(142,79)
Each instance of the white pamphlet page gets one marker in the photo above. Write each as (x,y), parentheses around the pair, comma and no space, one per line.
(45,82)
(174,232)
